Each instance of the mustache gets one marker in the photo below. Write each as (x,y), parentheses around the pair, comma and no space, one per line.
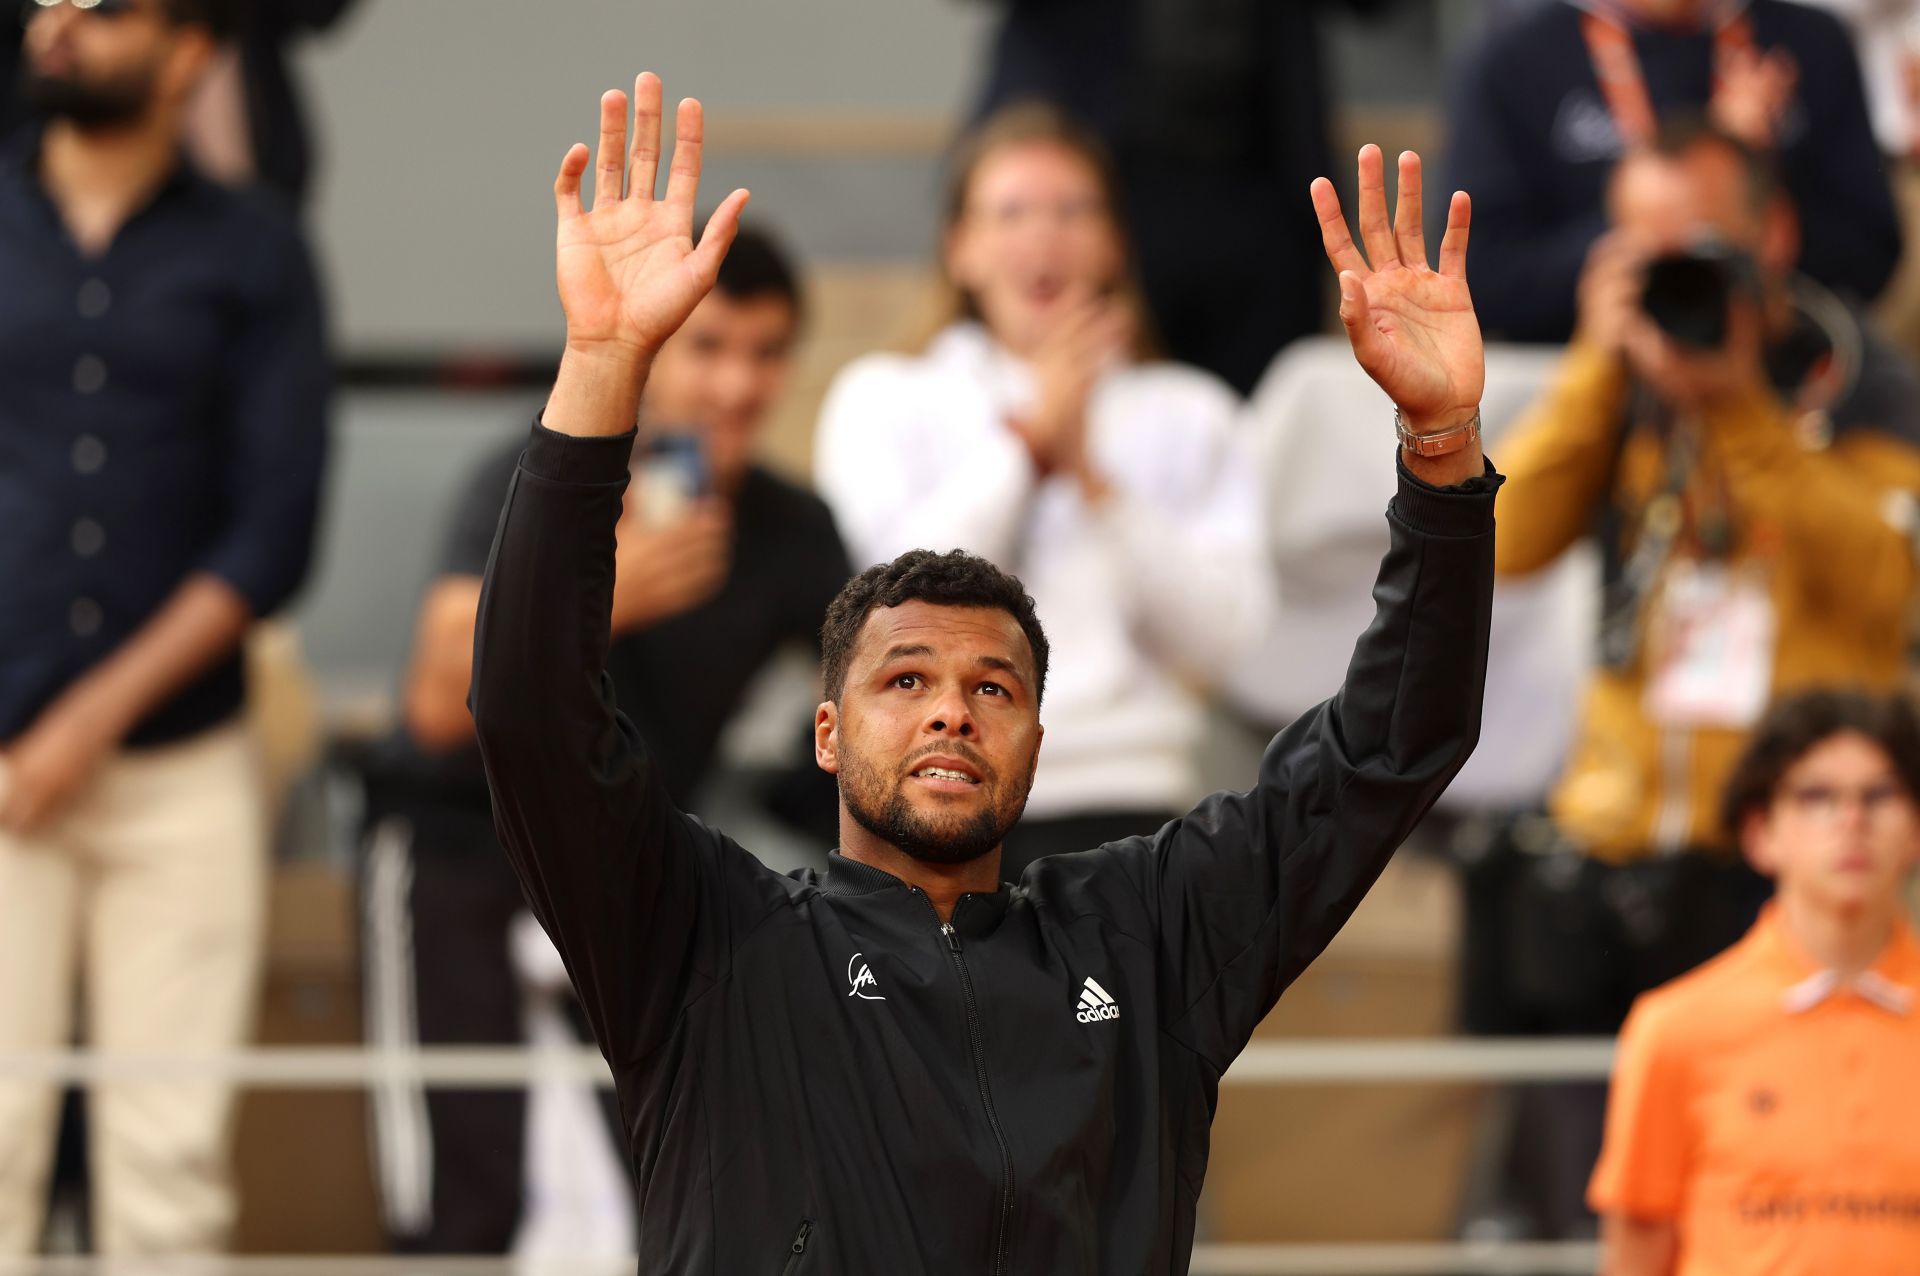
(965,752)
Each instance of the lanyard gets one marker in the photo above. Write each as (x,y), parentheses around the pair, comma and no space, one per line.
(1617,67)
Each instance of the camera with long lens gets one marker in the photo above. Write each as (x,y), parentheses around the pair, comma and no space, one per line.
(1689,294)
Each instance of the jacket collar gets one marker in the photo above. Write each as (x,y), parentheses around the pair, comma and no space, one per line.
(976,914)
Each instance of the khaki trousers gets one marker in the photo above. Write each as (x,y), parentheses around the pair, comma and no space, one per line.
(147,898)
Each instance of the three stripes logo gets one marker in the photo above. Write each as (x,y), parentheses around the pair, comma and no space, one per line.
(1095,1003)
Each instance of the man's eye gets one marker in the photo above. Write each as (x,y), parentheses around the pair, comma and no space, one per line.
(906,681)
(993,688)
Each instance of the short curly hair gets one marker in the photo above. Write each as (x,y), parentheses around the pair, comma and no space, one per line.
(953,579)
(219,17)
(1800,723)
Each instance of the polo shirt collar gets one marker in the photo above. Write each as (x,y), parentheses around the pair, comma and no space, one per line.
(1892,983)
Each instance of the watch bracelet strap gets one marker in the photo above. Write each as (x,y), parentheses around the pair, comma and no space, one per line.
(1439,443)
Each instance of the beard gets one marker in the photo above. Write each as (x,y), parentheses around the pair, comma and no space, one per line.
(105,104)
(932,839)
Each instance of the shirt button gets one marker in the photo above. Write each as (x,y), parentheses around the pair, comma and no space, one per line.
(84,617)
(88,537)
(89,374)
(94,299)
(89,454)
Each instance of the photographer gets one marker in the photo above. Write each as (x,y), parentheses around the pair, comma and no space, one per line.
(1743,445)
(1549,103)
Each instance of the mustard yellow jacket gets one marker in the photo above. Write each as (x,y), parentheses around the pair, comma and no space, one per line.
(1823,525)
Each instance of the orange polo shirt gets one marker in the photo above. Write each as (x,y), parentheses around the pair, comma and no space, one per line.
(1773,1115)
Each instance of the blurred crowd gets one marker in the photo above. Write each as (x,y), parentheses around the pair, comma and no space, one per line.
(1690,212)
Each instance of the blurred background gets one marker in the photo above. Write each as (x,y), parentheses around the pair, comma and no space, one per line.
(430,131)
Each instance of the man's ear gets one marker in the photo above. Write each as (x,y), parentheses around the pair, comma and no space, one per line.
(1756,842)
(826,737)
(192,53)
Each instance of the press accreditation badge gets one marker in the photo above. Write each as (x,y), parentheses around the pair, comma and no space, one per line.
(1711,647)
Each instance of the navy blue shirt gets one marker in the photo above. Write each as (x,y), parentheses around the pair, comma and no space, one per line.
(162,414)
(1531,138)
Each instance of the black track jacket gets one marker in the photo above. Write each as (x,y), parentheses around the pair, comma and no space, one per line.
(816,1075)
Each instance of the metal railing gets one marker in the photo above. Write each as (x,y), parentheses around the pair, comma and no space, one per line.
(1323,1062)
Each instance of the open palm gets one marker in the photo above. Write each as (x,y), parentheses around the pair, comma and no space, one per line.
(1413,328)
(628,271)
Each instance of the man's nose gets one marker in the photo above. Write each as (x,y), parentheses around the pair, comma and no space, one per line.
(951,717)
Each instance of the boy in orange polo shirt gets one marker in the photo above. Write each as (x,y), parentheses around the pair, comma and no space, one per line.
(1765,1111)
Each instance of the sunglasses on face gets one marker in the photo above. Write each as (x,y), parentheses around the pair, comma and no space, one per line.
(98,8)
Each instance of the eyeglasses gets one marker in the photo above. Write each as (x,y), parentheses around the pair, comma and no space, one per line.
(1825,802)
(99,8)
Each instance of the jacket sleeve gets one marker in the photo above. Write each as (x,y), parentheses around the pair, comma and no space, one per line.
(1526,255)
(1850,229)
(1557,459)
(633,892)
(1248,888)
(1826,506)
(905,469)
(281,383)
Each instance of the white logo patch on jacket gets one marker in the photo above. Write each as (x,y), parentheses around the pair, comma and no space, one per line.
(1095,1003)
(860,980)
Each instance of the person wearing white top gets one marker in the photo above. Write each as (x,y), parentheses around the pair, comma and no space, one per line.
(1036,430)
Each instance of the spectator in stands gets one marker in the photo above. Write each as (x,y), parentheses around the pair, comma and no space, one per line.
(1036,431)
(1744,447)
(1763,1117)
(720,565)
(1216,115)
(1885,33)
(244,122)
(163,391)
(1551,101)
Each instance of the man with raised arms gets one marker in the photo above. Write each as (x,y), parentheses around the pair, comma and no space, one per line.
(905,1065)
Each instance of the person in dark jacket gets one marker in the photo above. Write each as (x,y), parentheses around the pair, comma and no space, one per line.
(1534,130)
(905,1065)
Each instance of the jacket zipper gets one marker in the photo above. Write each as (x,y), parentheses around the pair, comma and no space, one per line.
(1003,1226)
(798,1249)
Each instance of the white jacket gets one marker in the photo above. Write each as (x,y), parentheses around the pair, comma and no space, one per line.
(1144,599)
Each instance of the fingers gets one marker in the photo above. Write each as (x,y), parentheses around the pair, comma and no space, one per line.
(718,236)
(643,169)
(1334,236)
(1409,236)
(683,179)
(1369,346)
(1453,247)
(607,179)
(566,187)
(1375,231)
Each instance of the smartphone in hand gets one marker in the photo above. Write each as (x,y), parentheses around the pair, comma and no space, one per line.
(670,477)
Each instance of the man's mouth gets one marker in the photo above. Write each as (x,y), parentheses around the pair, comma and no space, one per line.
(943,773)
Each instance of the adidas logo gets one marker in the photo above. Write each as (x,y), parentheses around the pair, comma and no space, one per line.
(1095,1003)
